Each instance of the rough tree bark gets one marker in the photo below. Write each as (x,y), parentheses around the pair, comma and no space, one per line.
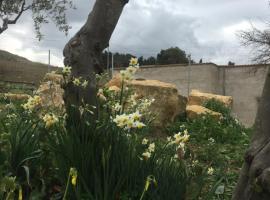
(254,180)
(83,51)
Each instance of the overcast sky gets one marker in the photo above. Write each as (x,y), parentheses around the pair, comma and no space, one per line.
(204,28)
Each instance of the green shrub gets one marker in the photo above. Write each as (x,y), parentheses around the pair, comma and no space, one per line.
(213,144)
(226,130)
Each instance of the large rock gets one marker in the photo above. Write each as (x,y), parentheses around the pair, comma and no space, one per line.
(194,111)
(168,103)
(15,97)
(51,92)
(199,98)
(115,81)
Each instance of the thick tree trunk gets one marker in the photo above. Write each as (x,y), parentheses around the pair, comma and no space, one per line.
(254,181)
(83,51)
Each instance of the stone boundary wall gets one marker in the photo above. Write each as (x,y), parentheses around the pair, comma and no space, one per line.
(243,82)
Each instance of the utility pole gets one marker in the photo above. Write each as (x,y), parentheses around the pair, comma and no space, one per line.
(108,59)
(189,70)
(112,64)
(49,60)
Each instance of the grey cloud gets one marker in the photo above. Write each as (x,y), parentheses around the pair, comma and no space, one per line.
(145,32)
(146,26)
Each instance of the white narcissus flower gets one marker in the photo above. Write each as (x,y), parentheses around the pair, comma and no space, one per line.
(121,120)
(49,120)
(117,107)
(66,70)
(77,81)
(185,137)
(177,137)
(133,61)
(32,102)
(210,171)
(136,116)
(138,125)
(85,84)
(212,140)
(194,162)
(125,75)
(132,70)
(144,141)
(130,123)
(181,138)
(146,155)
(151,147)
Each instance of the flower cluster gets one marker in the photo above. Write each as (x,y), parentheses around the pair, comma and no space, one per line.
(49,120)
(129,121)
(179,139)
(32,103)
(78,82)
(144,104)
(116,107)
(150,149)
(127,74)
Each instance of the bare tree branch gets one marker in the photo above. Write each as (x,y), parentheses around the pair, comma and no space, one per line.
(259,41)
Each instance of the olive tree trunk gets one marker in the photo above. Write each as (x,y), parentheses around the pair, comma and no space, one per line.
(83,51)
(254,180)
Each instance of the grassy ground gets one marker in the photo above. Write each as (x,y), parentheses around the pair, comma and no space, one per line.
(219,145)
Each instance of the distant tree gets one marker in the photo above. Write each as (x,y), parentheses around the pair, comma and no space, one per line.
(42,12)
(230,63)
(120,60)
(201,61)
(150,61)
(173,55)
(141,60)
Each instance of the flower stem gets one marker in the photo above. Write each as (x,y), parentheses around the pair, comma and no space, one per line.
(66,190)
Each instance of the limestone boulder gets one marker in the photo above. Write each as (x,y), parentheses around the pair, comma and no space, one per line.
(115,81)
(51,92)
(194,111)
(168,103)
(199,98)
(54,78)
(15,97)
